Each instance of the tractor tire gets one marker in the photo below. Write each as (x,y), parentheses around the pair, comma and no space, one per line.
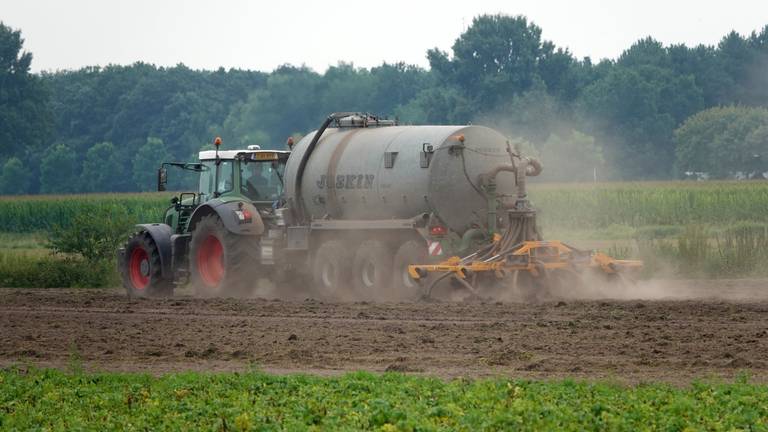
(332,269)
(222,264)
(140,268)
(403,286)
(372,271)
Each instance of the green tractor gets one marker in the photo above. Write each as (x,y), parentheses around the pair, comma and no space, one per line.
(209,237)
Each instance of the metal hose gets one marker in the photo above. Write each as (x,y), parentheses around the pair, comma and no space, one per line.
(300,212)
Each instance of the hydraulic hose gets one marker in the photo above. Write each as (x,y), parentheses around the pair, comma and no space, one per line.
(300,210)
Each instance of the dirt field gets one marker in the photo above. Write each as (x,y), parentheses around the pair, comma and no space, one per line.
(701,329)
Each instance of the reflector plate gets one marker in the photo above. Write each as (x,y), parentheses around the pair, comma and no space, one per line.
(264,156)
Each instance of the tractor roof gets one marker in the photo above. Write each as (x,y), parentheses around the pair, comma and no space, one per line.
(230,154)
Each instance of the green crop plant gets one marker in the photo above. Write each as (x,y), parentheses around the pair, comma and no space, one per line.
(560,205)
(54,400)
(597,206)
(43,212)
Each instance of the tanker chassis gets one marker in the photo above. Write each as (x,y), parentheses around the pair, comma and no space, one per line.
(361,207)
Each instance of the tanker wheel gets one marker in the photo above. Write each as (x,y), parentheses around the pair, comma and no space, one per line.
(332,269)
(140,268)
(221,263)
(372,270)
(403,285)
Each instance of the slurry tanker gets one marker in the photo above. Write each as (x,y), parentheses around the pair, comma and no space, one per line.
(363,207)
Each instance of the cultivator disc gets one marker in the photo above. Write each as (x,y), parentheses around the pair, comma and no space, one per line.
(530,265)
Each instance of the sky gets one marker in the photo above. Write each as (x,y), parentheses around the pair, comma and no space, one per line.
(262,35)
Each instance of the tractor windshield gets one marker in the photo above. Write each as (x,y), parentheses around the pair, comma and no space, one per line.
(208,179)
(262,180)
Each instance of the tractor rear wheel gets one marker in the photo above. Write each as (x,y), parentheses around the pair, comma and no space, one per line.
(332,269)
(140,268)
(222,263)
(372,270)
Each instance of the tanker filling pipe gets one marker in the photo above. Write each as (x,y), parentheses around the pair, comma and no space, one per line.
(300,210)
(488,181)
(527,167)
(524,166)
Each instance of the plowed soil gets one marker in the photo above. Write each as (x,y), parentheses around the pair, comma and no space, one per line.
(699,329)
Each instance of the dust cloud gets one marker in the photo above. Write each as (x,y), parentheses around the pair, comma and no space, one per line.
(568,155)
(579,288)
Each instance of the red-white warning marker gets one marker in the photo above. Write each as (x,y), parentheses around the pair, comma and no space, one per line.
(435,248)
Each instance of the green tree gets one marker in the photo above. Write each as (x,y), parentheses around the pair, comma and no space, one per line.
(636,108)
(289,102)
(499,71)
(59,170)
(15,178)
(757,143)
(395,85)
(146,162)
(436,105)
(102,169)
(26,118)
(497,57)
(722,141)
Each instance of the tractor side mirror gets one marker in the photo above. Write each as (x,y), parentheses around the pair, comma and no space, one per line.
(162,179)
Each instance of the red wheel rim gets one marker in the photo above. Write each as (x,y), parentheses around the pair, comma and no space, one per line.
(138,268)
(210,261)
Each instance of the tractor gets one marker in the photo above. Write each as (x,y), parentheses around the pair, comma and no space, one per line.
(205,232)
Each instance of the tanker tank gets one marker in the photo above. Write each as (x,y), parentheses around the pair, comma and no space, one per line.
(397,172)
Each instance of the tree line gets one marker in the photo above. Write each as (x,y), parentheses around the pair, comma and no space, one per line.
(655,112)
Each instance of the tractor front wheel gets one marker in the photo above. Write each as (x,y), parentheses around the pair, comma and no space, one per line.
(222,263)
(140,268)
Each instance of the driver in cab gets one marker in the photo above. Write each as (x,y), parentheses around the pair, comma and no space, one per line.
(256,182)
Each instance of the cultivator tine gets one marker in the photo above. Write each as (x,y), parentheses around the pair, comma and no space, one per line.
(467,285)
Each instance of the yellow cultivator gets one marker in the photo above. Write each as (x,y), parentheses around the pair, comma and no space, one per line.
(543,263)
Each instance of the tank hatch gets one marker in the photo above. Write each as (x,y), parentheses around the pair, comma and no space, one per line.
(363,120)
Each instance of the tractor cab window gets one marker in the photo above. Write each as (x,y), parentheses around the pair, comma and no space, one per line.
(262,180)
(208,179)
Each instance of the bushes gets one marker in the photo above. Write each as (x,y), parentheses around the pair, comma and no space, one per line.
(94,235)
(54,271)
(82,252)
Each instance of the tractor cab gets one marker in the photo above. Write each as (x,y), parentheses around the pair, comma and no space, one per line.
(252,175)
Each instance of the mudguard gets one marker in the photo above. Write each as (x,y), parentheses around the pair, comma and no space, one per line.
(230,219)
(161,234)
